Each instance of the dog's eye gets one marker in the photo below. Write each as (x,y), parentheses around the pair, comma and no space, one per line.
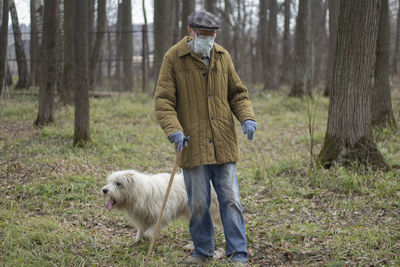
(117,183)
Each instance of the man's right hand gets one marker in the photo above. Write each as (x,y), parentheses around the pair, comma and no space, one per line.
(179,139)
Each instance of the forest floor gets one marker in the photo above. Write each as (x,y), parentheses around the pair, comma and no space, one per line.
(52,209)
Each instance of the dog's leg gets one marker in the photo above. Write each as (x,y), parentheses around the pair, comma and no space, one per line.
(139,235)
(149,232)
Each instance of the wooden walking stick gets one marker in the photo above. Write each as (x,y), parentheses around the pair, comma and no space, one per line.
(171,179)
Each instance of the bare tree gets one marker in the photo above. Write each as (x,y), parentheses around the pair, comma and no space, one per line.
(272,40)
(286,45)
(187,8)
(118,44)
(67,87)
(34,44)
(319,40)
(396,55)
(19,49)
(49,71)
(334,6)
(349,136)
(98,43)
(262,37)
(381,102)
(302,52)
(81,83)
(127,45)
(3,44)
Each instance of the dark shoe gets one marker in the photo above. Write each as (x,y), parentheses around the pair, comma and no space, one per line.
(195,261)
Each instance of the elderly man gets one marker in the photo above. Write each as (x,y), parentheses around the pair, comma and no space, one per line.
(197,94)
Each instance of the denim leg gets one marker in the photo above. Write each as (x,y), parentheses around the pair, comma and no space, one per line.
(197,182)
(225,183)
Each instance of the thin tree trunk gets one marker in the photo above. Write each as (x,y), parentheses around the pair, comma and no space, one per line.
(319,37)
(145,48)
(67,91)
(272,40)
(334,6)
(49,71)
(349,137)
(127,45)
(396,55)
(211,6)
(81,83)
(175,21)
(302,52)
(118,48)
(381,104)
(226,25)
(92,4)
(262,38)
(19,49)
(34,44)
(286,45)
(187,8)
(98,44)
(3,45)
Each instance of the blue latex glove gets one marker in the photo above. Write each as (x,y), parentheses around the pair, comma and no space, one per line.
(179,139)
(249,127)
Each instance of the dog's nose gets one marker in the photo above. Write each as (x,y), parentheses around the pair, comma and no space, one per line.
(105,190)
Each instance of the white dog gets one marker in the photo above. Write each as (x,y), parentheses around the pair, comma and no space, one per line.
(141,195)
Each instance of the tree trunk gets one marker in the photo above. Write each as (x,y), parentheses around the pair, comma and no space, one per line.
(396,55)
(67,88)
(49,71)
(334,6)
(211,6)
(34,45)
(381,104)
(286,45)
(81,83)
(176,17)
(262,38)
(91,10)
(162,32)
(98,44)
(3,45)
(302,52)
(225,34)
(349,137)
(272,42)
(118,49)
(127,45)
(319,42)
(19,49)
(187,8)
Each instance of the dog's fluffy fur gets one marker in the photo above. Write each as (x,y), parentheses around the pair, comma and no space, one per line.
(141,196)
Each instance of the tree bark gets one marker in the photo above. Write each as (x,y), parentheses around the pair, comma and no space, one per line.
(98,43)
(302,52)
(127,45)
(3,45)
(262,37)
(91,10)
(118,44)
(67,88)
(225,34)
(349,137)
(272,41)
(34,45)
(319,42)
(49,71)
(286,45)
(381,104)
(211,6)
(396,55)
(19,49)
(81,83)
(187,8)
(334,6)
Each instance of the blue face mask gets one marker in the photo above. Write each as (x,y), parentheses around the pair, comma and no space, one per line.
(203,45)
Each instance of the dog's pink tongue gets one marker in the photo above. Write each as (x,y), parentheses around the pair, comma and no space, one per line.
(109,204)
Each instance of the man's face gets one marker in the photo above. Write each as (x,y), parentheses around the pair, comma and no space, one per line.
(200,32)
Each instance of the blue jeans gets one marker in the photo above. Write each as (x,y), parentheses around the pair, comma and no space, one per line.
(224,179)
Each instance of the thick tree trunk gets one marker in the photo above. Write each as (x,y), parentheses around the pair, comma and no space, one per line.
(176,17)
(67,88)
(225,34)
(319,42)
(91,16)
(334,6)
(127,45)
(81,83)
(98,44)
(34,45)
(49,71)
(396,55)
(272,42)
(381,102)
(19,49)
(286,45)
(302,52)
(349,137)
(3,44)
(187,8)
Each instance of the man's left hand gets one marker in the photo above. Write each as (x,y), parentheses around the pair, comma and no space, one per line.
(249,127)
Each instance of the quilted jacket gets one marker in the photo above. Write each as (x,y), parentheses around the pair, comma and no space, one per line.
(201,103)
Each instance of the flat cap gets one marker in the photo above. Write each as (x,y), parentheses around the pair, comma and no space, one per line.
(204,20)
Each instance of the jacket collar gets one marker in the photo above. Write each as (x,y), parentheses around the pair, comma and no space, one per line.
(184,49)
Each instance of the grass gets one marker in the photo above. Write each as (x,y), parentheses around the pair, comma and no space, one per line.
(51,207)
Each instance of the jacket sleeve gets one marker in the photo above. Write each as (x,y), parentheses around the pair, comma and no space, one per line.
(165,99)
(238,95)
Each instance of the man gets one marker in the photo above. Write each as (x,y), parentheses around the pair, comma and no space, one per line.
(197,92)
